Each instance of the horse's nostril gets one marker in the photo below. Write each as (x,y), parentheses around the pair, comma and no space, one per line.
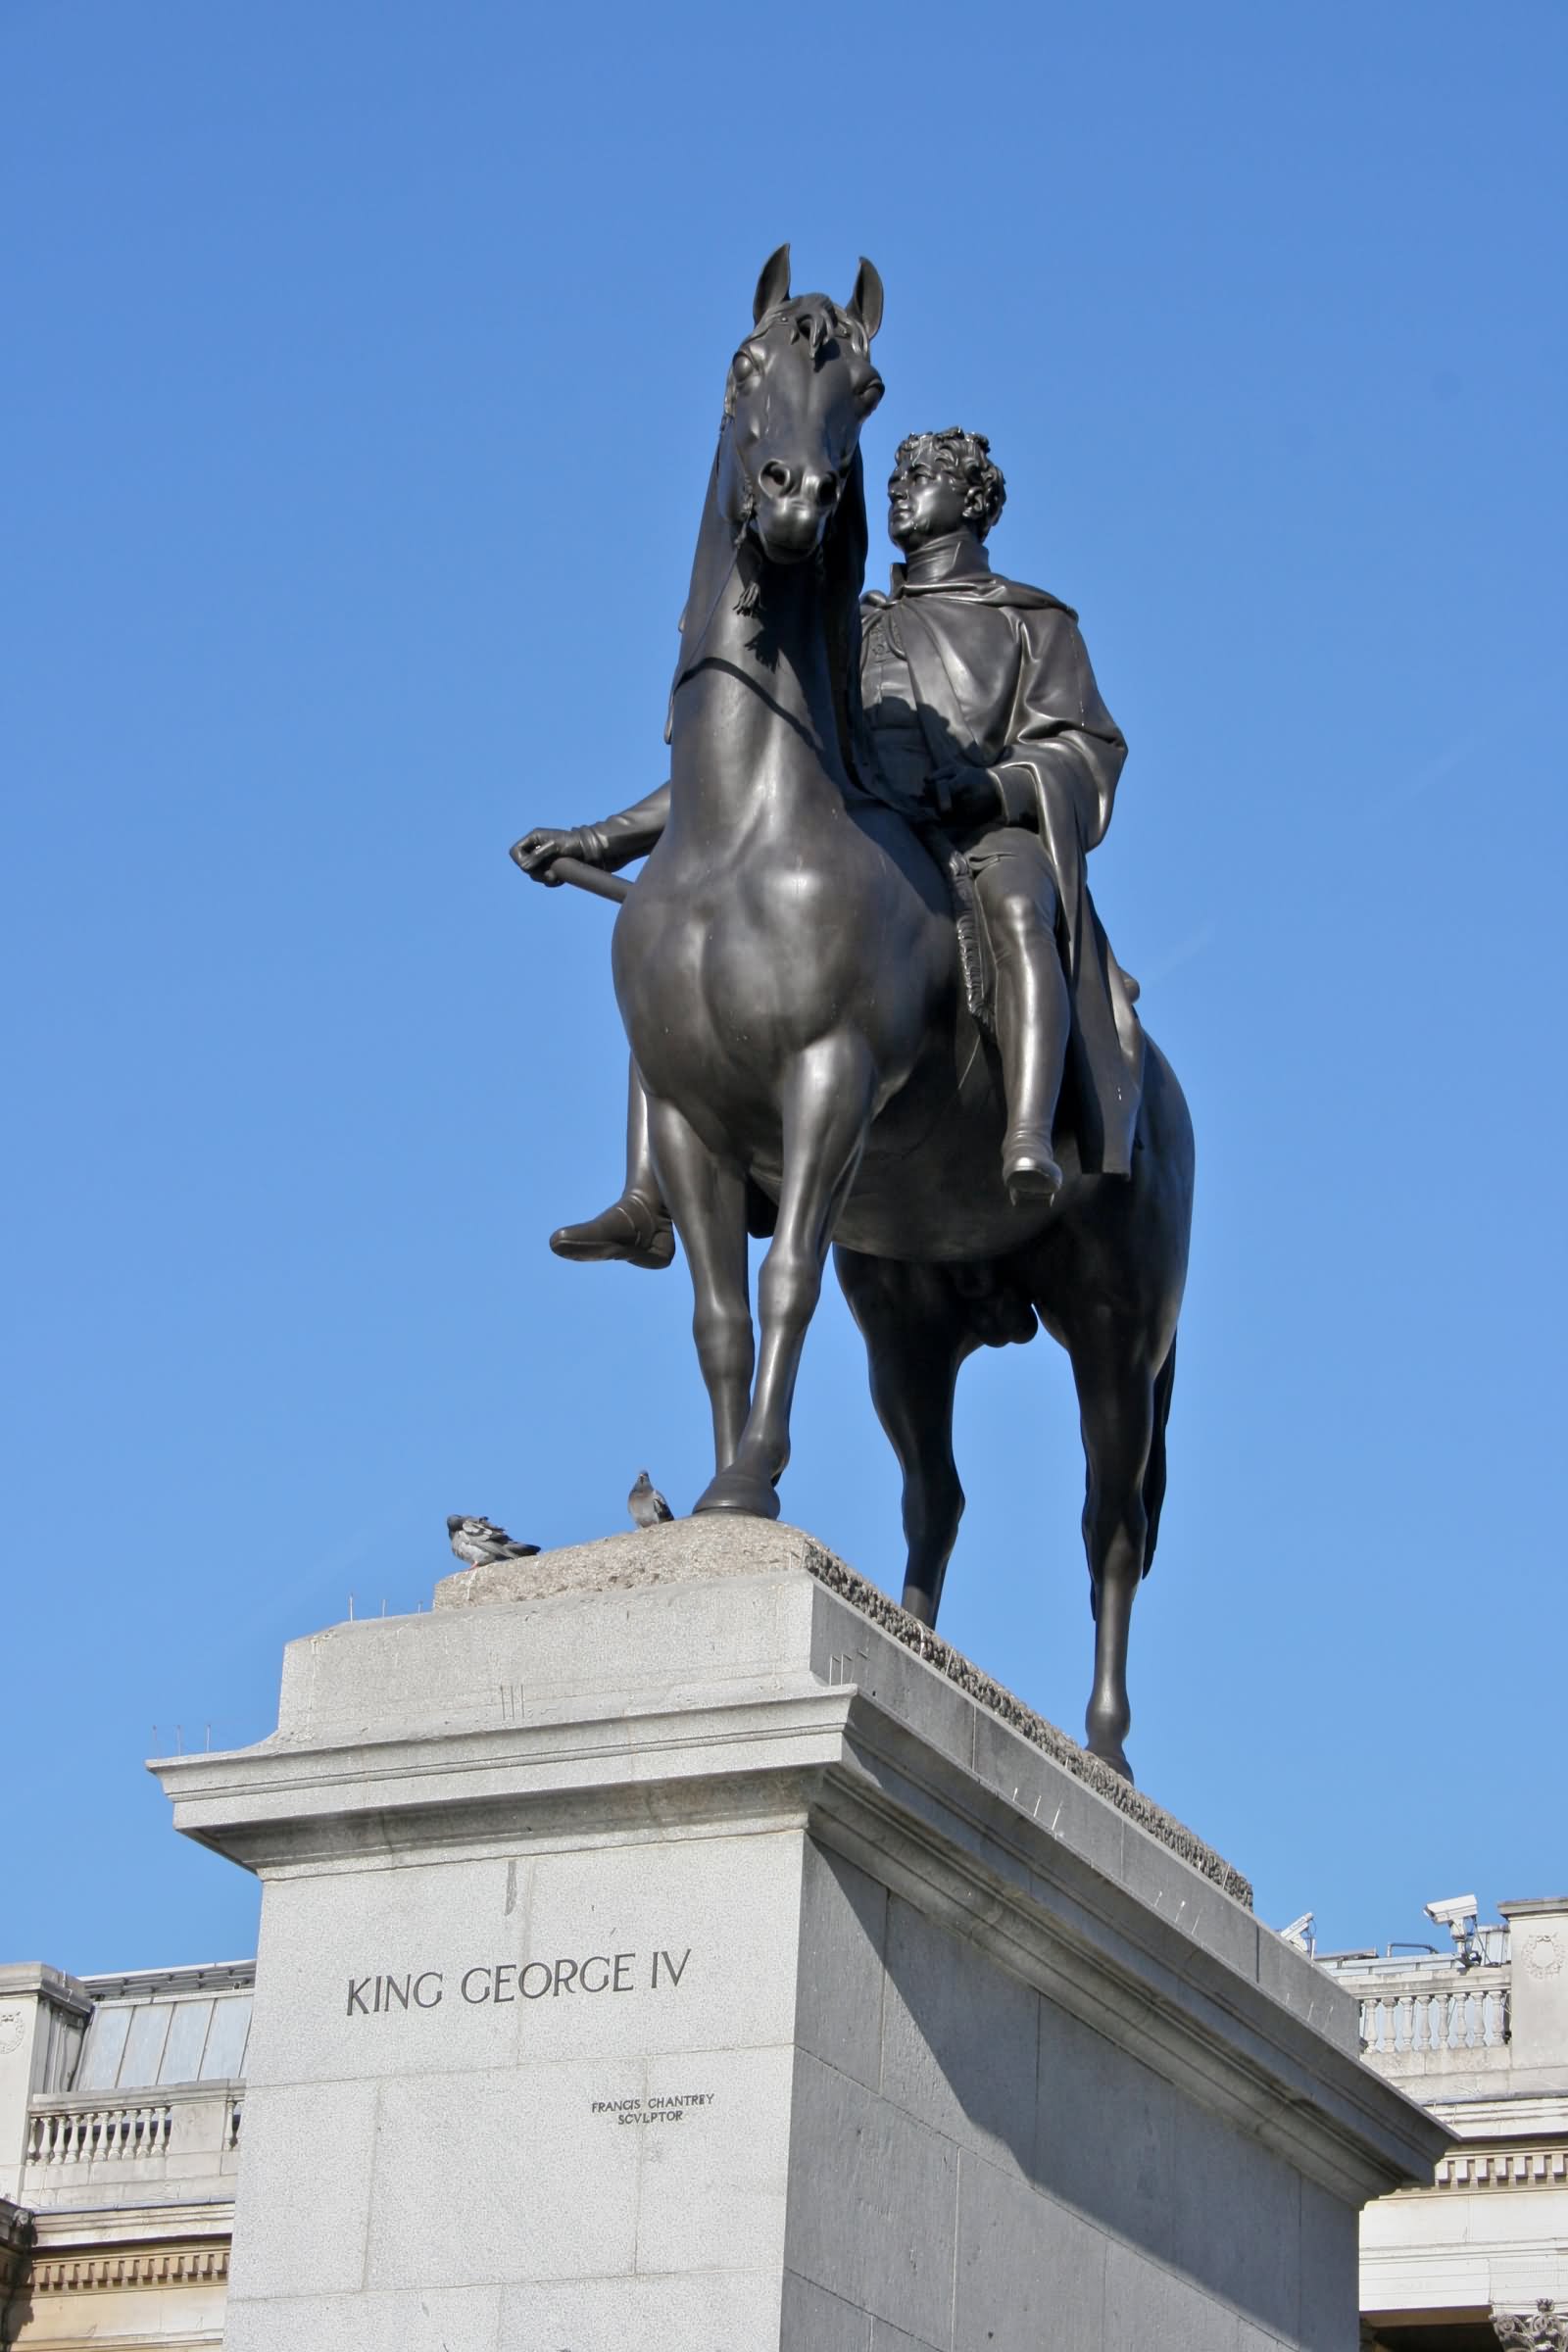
(776,478)
(827,490)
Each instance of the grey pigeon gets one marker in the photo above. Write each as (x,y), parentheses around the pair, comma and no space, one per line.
(646,1503)
(478,1542)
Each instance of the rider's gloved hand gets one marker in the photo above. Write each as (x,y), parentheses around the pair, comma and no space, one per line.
(964,795)
(537,852)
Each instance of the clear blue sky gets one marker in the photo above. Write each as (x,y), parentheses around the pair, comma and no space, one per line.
(361,369)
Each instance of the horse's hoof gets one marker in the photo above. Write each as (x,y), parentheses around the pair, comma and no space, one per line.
(733,1490)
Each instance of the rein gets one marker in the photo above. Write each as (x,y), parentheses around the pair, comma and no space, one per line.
(750,595)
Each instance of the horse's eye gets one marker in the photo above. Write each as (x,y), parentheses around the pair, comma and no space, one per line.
(742,367)
(871,393)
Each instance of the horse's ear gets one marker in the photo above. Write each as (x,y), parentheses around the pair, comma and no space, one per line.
(866,302)
(774,286)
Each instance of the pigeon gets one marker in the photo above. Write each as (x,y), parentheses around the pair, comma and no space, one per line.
(646,1503)
(478,1542)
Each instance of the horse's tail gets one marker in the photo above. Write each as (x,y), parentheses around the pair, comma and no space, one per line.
(1155,1475)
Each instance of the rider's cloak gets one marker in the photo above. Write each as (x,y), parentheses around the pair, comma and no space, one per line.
(1002,678)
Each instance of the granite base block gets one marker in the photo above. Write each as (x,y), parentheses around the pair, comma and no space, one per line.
(666,1943)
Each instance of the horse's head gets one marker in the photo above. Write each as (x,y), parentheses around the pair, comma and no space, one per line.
(800,388)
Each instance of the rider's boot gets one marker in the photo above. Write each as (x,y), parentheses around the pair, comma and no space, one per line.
(1032,1014)
(630,1228)
(635,1228)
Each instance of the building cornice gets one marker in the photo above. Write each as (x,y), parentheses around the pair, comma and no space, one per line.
(203,2264)
(1526,2115)
(19,1978)
(82,2230)
(166,1984)
(1506,2166)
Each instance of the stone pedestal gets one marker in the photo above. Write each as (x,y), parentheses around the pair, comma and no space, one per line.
(667,1947)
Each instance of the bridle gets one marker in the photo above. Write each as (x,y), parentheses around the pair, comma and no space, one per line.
(828,323)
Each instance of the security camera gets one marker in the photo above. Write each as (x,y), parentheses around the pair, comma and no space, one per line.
(1458,1916)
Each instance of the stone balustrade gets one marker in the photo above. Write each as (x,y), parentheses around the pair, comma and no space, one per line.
(1426,2018)
(154,2138)
(75,2134)
(1473,2017)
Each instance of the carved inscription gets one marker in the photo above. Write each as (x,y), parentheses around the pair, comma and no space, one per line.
(496,1983)
(664,2107)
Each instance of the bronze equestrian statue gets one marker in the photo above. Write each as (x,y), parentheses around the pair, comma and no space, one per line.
(868,997)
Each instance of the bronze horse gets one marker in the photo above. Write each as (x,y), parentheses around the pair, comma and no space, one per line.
(787,970)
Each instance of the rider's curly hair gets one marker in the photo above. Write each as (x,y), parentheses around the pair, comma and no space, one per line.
(968,455)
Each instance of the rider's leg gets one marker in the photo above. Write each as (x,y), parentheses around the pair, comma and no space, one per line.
(637,1226)
(1018,896)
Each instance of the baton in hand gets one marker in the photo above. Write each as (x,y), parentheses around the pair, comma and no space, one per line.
(583,877)
(589,878)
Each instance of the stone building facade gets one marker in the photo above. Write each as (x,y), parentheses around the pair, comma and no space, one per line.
(1479,2034)
(120,2101)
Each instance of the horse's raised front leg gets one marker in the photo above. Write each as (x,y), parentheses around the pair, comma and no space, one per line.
(916,1336)
(826,1100)
(707,1202)
(1116,1415)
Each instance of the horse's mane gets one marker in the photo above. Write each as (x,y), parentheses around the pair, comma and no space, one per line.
(841,569)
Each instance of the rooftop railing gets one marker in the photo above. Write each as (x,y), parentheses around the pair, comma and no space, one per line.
(1395,2024)
(141,2139)
(1428,2010)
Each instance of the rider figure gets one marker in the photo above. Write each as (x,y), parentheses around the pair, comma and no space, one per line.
(983,725)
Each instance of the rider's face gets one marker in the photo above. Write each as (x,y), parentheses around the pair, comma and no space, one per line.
(925,501)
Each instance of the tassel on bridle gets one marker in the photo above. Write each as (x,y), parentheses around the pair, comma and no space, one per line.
(751,596)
